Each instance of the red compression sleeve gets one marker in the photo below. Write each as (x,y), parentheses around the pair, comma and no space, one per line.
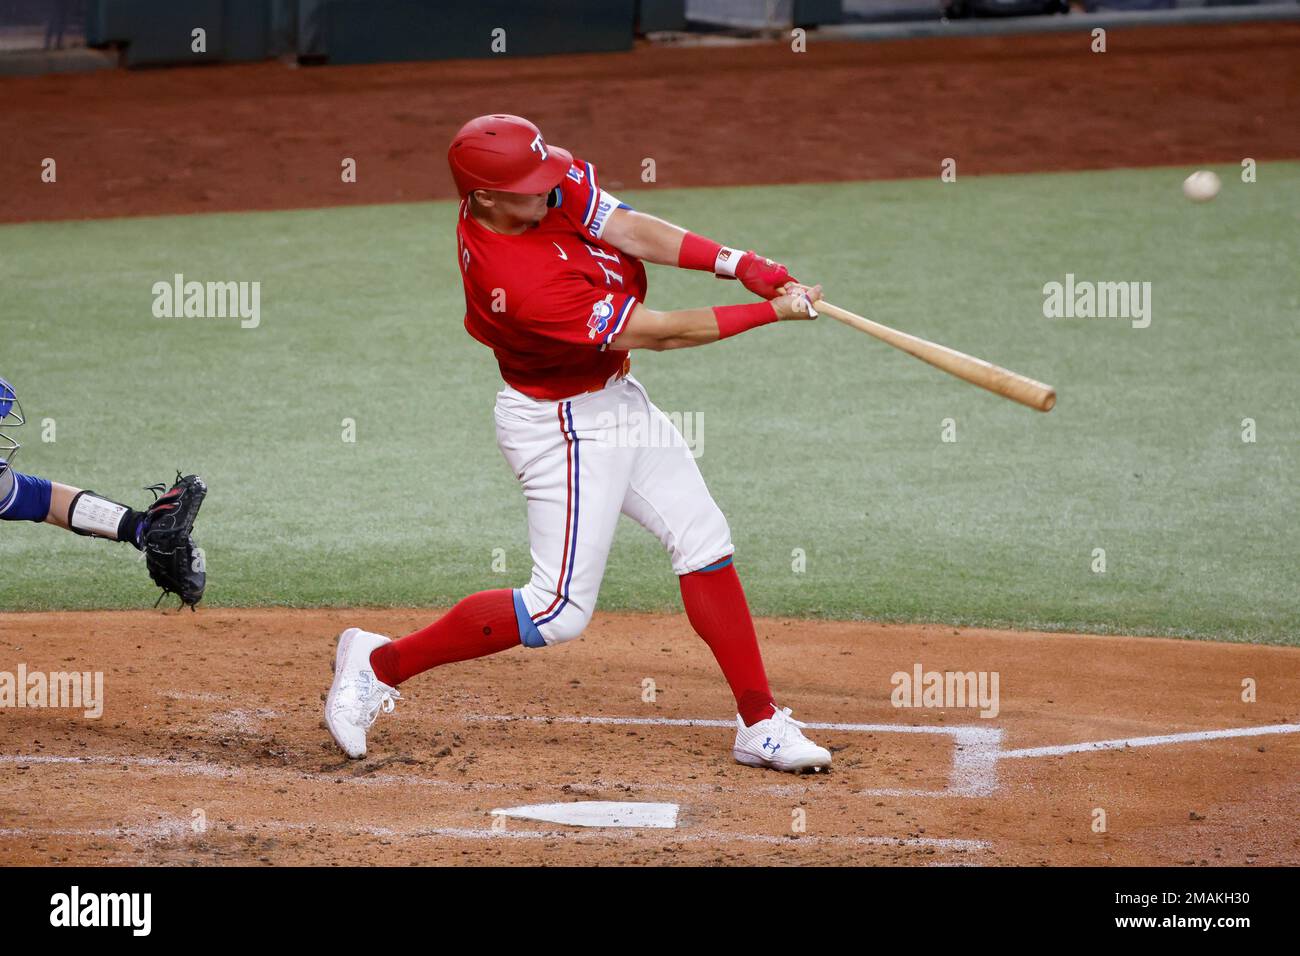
(698,252)
(734,319)
(717,609)
(480,624)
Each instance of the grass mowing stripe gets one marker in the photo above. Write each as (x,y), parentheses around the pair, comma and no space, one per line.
(815,440)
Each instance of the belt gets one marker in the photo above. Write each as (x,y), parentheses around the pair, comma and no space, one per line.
(622,373)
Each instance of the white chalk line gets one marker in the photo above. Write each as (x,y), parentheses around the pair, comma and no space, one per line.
(187,767)
(707,722)
(178,829)
(196,768)
(974,767)
(720,836)
(171,829)
(1157,741)
(200,769)
(973,774)
(978,749)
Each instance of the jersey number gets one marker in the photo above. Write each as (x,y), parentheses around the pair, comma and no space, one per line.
(610,275)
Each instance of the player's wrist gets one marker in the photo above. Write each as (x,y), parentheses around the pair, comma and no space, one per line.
(734,319)
(704,255)
(96,516)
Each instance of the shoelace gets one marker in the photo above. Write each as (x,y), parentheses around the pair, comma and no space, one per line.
(782,715)
(786,712)
(368,703)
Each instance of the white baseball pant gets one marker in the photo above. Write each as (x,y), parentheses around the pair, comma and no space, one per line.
(583,461)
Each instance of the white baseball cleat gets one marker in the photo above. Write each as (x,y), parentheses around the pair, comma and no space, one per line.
(778,743)
(357,695)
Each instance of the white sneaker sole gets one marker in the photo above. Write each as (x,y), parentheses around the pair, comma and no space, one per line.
(341,645)
(752,760)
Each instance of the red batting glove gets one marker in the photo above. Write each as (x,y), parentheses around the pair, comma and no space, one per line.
(761,276)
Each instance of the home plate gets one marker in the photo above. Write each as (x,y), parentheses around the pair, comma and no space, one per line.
(598,813)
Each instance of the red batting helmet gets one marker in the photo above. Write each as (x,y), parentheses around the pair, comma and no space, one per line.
(505,152)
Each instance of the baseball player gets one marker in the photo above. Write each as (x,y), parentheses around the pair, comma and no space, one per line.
(161,531)
(555,286)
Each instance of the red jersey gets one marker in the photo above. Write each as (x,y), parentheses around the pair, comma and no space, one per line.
(549,301)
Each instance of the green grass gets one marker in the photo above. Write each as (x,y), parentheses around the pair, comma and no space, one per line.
(815,437)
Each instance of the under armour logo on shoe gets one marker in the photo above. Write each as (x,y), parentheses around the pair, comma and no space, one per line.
(768,745)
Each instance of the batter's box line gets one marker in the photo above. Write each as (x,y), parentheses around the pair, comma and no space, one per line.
(179,831)
(1124,743)
(974,771)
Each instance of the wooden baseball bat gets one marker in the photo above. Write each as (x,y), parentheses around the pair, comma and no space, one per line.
(986,375)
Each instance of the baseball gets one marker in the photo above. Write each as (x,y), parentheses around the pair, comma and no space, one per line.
(1201,186)
(550,530)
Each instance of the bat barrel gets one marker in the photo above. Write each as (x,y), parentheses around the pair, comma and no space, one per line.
(994,378)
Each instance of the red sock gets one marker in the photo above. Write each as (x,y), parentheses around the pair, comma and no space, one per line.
(480,624)
(717,609)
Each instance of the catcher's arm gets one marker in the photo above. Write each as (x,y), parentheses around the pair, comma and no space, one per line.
(161,531)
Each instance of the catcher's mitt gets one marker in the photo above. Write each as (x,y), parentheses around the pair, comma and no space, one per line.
(175,564)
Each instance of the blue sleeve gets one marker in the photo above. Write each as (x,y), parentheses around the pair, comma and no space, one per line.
(23,497)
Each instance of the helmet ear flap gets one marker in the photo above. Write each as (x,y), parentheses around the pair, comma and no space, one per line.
(8,401)
(11,416)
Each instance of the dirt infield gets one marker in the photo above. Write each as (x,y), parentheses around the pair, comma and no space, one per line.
(267,136)
(210,749)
